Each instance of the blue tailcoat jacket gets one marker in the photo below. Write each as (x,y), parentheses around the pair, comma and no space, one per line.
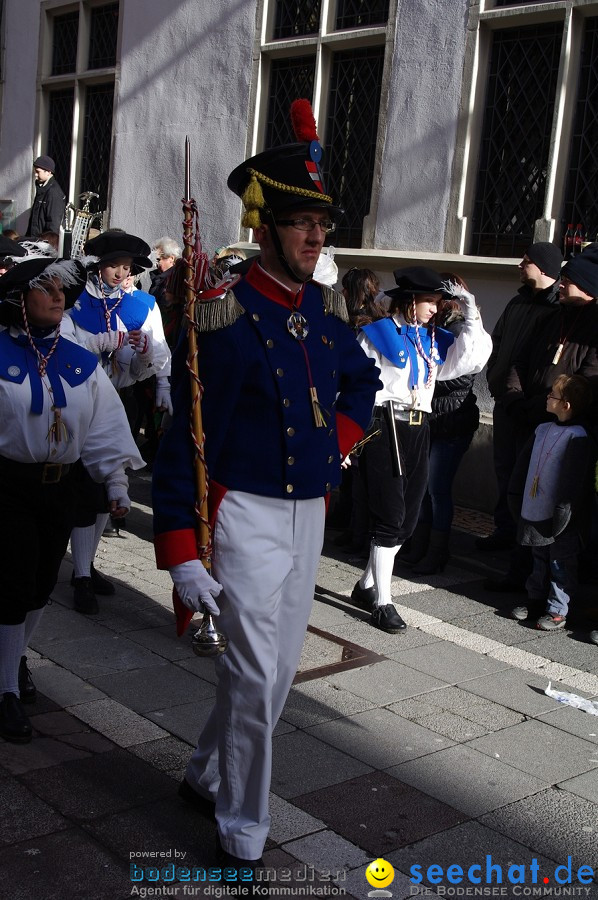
(260,433)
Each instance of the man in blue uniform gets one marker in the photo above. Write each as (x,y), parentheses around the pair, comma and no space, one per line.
(287,392)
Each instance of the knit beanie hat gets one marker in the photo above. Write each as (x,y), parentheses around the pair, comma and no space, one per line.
(582,270)
(44,162)
(547,257)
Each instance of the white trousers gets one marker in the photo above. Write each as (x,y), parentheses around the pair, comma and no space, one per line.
(266,554)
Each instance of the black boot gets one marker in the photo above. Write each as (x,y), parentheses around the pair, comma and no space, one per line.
(417,545)
(27,690)
(85,599)
(437,555)
(14,724)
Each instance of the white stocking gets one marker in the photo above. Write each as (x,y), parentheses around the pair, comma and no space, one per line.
(382,565)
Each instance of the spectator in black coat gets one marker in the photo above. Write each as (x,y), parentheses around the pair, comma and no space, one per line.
(49,204)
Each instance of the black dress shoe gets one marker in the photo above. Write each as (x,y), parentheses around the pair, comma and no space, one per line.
(85,599)
(387,618)
(100,584)
(245,886)
(364,598)
(206,807)
(504,585)
(27,690)
(495,541)
(14,724)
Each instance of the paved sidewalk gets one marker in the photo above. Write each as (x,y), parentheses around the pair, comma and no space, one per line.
(436,747)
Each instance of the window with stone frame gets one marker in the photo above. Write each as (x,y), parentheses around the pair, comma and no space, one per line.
(530,168)
(515,140)
(335,60)
(78,74)
(580,207)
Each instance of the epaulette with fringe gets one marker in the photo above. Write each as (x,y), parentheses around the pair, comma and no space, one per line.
(334,303)
(210,315)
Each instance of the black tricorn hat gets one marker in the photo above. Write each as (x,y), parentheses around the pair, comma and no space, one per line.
(115,244)
(285,177)
(31,273)
(10,248)
(417,280)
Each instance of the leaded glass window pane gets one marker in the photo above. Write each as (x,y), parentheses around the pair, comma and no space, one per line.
(290,79)
(60,133)
(581,196)
(351,130)
(102,36)
(64,43)
(97,137)
(360,13)
(296,17)
(515,138)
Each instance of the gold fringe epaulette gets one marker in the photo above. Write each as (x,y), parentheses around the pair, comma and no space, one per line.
(210,315)
(334,303)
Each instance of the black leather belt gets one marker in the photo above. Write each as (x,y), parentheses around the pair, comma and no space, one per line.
(412,416)
(44,473)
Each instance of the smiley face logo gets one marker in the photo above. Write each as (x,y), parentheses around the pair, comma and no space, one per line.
(379,873)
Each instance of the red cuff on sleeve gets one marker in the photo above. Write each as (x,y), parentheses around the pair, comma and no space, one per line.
(174,547)
(348,433)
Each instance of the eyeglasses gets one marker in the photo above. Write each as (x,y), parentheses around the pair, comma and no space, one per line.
(552,397)
(308,224)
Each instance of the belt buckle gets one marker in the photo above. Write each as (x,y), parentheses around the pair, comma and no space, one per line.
(416,417)
(51,473)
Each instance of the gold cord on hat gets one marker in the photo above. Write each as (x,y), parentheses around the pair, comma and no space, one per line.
(253,197)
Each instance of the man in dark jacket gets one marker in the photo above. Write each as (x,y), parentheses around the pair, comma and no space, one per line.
(49,203)
(536,300)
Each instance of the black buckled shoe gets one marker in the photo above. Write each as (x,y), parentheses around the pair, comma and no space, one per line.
(14,724)
(364,598)
(27,689)
(85,599)
(206,807)
(387,619)
(101,585)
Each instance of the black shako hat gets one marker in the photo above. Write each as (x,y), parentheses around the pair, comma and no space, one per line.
(10,248)
(547,257)
(417,280)
(582,270)
(35,272)
(285,177)
(45,162)
(110,245)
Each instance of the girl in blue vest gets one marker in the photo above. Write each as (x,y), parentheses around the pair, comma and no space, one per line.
(57,406)
(124,331)
(411,354)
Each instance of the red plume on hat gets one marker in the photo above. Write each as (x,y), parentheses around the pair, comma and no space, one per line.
(303,121)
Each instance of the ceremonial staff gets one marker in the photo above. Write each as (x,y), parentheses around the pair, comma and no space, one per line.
(207,641)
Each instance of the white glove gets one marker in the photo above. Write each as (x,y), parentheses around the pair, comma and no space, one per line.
(117,486)
(106,341)
(465,298)
(141,343)
(163,400)
(196,589)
